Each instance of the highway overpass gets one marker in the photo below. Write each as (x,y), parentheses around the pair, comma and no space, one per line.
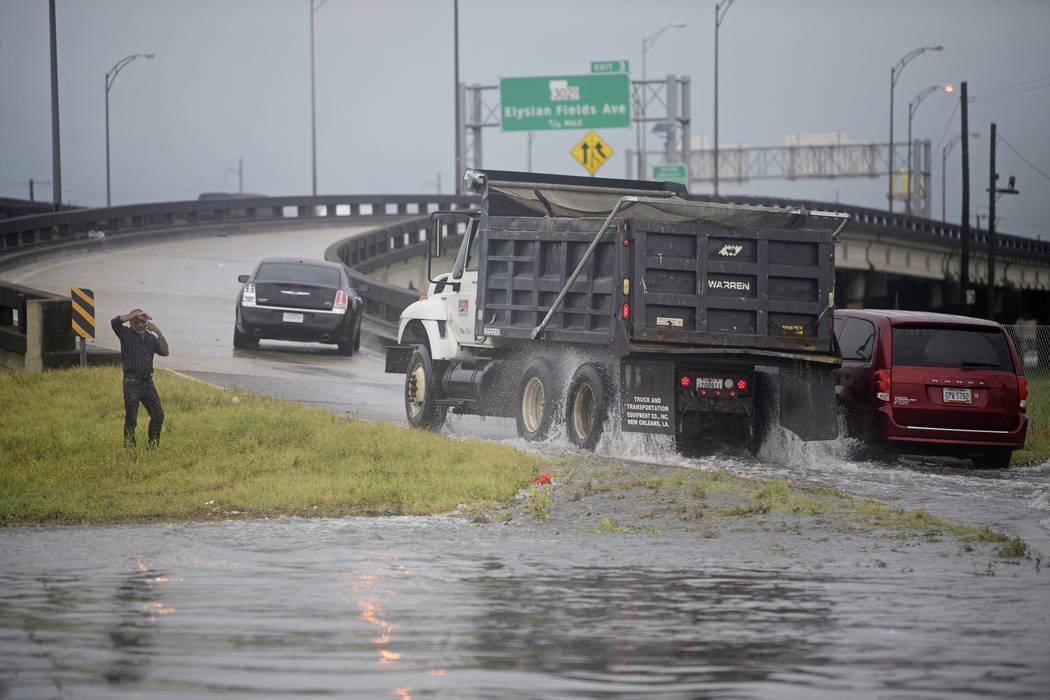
(883,259)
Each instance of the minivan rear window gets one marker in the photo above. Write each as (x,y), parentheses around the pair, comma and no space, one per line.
(946,346)
(303,274)
(856,337)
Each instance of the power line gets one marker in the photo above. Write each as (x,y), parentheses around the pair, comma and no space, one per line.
(1018,154)
(948,124)
(1023,86)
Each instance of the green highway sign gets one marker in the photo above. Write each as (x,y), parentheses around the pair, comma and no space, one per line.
(595,101)
(610,67)
(670,173)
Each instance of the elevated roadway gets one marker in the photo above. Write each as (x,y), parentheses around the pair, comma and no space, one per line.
(883,259)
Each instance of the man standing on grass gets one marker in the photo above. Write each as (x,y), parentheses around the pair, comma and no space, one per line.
(137,348)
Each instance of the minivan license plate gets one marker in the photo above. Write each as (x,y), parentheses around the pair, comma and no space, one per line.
(298,318)
(957,396)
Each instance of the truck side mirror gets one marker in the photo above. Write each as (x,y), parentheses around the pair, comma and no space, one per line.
(437,244)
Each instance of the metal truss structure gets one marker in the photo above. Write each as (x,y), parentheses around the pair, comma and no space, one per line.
(819,162)
(665,105)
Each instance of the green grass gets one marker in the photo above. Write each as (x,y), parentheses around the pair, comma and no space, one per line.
(62,460)
(1037,443)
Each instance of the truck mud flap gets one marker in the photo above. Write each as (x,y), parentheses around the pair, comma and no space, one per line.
(807,402)
(397,358)
(647,397)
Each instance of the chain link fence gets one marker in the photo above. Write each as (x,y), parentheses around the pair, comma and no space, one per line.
(1033,346)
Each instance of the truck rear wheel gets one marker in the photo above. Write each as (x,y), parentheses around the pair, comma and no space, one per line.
(587,406)
(421,389)
(536,401)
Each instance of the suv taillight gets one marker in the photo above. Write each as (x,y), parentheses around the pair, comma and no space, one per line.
(1022,391)
(340,301)
(880,382)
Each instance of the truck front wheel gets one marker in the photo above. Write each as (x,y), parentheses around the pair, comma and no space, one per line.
(421,387)
(587,406)
(536,401)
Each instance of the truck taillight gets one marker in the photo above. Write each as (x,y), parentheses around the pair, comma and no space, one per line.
(1022,391)
(626,311)
(741,384)
(880,381)
(685,380)
(340,301)
(248,295)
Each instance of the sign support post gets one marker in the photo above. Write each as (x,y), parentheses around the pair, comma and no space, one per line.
(83,318)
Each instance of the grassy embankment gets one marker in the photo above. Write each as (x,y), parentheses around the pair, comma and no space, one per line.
(61,459)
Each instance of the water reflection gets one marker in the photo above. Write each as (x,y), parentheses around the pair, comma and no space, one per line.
(131,632)
(650,632)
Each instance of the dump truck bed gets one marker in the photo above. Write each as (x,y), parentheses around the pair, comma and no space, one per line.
(684,284)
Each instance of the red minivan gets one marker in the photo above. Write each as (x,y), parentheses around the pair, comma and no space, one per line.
(931,383)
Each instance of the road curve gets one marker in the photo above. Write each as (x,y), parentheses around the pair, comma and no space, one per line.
(189,286)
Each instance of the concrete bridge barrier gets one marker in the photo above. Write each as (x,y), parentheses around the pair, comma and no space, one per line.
(36,331)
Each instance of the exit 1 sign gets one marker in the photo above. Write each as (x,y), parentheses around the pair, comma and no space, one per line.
(610,67)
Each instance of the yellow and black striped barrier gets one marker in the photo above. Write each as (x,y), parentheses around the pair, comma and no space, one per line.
(83,312)
(83,318)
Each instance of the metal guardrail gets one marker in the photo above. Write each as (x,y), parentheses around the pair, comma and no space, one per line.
(23,238)
(27,236)
(26,233)
(389,245)
(906,226)
(367,252)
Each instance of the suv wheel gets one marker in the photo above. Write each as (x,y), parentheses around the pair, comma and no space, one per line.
(242,341)
(995,458)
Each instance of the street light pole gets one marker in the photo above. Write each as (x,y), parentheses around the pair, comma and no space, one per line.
(993,195)
(240,175)
(913,107)
(646,43)
(313,97)
(895,74)
(944,168)
(111,76)
(721,8)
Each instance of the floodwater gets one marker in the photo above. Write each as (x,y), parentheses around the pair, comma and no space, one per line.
(435,607)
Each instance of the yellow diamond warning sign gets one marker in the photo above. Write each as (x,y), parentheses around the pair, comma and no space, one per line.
(592,152)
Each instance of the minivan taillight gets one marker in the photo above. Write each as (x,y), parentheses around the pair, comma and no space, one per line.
(880,381)
(1022,391)
(340,301)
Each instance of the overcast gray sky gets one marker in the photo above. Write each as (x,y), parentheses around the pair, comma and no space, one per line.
(231,79)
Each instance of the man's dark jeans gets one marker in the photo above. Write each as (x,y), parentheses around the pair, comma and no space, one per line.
(138,390)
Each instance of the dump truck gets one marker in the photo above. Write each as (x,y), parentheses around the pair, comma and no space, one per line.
(606,304)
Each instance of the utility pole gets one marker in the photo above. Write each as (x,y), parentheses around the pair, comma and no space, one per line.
(313,108)
(457,172)
(56,149)
(721,8)
(964,265)
(993,192)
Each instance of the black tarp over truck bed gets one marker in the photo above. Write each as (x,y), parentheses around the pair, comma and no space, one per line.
(693,274)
